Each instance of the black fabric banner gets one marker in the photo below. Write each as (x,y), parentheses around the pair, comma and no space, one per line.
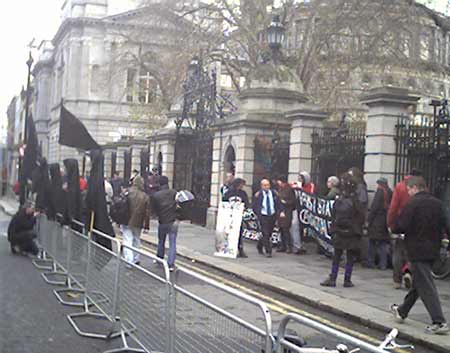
(31,150)
(73,133)
(315,214)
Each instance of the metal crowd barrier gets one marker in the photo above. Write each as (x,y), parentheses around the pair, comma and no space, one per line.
(43,237)
(282,344)
(56,247)
(77,259)
(206,327)
(158,310)
(101,289)
(144,304)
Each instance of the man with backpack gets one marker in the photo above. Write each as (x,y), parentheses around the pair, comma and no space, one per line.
(132,212)
(164,204)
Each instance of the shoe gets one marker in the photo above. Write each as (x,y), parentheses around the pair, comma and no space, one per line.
(348,283)
(397,285)
(407,278)
(438,329)
(397,317)
(172,268)
(301,251)
(269,254)
(329,282)
(137,263)
(15,249)
(260,251)
(289,251)
(242,254)
(281,250)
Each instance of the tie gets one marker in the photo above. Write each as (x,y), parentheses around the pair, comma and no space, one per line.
(268,204)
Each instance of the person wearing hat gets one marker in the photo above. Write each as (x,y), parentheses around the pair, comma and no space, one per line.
(377,225)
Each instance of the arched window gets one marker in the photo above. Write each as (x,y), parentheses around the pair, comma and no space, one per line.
(230,161)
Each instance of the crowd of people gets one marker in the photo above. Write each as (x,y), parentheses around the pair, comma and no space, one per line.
(407,227)
(64,195)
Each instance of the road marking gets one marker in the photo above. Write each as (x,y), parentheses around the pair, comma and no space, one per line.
(281,307)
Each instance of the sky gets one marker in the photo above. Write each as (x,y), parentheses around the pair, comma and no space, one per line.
(23,20)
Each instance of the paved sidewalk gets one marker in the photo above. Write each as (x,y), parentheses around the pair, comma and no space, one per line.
(299,276)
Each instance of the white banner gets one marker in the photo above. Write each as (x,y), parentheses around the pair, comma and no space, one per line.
(229,220)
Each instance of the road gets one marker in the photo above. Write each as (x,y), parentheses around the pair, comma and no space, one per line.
(33,321)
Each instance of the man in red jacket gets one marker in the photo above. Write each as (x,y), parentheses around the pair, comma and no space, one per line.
(400,198)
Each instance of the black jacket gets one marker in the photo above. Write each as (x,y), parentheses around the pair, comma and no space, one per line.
(56,193)
(348,216)
(241,194)
(423,221)
(377,220)
(163,204)
(72,207)
(21,222)
(258,203)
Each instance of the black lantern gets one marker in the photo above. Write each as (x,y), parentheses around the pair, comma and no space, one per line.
(275,33)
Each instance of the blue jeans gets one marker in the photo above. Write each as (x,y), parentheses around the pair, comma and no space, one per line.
(171,230)
(380,247)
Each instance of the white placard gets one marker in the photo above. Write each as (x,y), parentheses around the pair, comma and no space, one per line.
(229,219)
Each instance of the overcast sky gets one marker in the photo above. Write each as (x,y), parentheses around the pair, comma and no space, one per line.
(23,20)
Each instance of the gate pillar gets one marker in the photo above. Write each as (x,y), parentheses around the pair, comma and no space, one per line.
(304,121)
(163,148)
(386,105)
(261,112)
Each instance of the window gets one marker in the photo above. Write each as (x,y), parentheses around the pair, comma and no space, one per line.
(425,47)
(148,88)
(131,79)
(405,45)
(438,50)
(95,78)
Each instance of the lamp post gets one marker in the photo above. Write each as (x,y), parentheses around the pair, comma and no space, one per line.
(275,36)
(23,181)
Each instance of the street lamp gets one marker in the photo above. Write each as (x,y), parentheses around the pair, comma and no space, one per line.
(275,34)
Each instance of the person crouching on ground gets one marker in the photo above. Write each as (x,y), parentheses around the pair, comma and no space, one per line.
(164,205)
(235,193)
(346,228)
(423,220)
(267,207)
(20,231)
(139,210)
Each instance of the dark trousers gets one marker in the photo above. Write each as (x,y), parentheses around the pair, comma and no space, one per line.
(267,225)
(398,259)
(425,289)
(380,247)
(286,239)
(25,241)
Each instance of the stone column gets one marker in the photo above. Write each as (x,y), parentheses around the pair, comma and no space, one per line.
(165,144)
(386,105)
(304,121)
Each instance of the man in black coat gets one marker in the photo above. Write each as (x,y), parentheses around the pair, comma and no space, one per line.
(267,207)
(423,221)
(20,231)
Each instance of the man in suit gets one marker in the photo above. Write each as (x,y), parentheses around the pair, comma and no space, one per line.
(266,206)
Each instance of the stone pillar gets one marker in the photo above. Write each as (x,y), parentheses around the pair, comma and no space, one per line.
(164,143)
(261,111)
(386,105)
(304,121)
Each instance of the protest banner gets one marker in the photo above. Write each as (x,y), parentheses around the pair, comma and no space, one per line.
(315,214)
(229,219)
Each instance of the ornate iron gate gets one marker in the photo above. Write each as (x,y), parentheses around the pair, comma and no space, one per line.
(422,143)
(113,163)
(194,139)
(145,160)
(335,150)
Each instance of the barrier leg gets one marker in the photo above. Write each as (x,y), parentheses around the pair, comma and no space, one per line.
(126,348)
(61,294)
(60,277)
(44,263)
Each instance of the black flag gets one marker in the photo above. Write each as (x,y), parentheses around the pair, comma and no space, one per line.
(31,150)
(73,133)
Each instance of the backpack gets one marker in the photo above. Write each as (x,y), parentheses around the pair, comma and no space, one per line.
(344,211)
(120,209)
